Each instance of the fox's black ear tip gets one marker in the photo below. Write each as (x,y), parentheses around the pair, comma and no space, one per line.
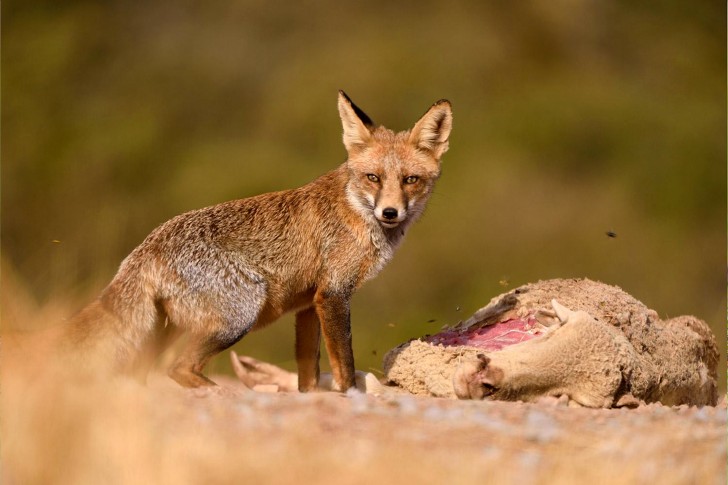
(359,113)
(443,101)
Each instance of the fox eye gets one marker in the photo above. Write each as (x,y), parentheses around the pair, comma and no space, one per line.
(372,177)
(411,179)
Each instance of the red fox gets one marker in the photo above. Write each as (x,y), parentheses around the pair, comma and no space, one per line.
(219,272)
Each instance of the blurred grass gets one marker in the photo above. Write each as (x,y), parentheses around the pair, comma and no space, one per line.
(571,119)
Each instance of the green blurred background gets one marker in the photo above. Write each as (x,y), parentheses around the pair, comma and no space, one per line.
(571,119)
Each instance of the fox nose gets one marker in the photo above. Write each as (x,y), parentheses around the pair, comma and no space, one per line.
(389,213)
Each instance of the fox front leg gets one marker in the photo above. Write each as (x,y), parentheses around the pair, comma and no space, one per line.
(332,309)
(308,353)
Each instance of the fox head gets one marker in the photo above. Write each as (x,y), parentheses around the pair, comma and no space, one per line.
(391,175)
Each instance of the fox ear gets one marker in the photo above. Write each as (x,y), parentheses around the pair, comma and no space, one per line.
(357,125)
(432,131)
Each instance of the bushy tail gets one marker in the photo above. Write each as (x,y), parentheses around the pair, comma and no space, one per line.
(102,341)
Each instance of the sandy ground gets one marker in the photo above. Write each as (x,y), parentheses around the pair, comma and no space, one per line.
(126,433)
(59,430)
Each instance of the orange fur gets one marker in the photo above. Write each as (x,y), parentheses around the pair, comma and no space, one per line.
(217,273)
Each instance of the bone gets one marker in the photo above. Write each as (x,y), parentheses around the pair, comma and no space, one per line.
(562,313)
(255,373)
(264,377)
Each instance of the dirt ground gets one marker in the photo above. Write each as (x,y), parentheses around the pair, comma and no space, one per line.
(125,433)
(56,430)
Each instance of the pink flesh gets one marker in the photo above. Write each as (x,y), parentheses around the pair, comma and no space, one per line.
(492,337)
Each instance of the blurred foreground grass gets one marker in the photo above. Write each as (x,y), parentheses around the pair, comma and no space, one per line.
(572,119)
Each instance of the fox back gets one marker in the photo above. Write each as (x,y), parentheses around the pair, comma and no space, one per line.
(217,273)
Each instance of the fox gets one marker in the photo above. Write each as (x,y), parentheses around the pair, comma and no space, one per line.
(217,273)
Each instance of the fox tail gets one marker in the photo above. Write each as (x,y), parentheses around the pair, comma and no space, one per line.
(102,341)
